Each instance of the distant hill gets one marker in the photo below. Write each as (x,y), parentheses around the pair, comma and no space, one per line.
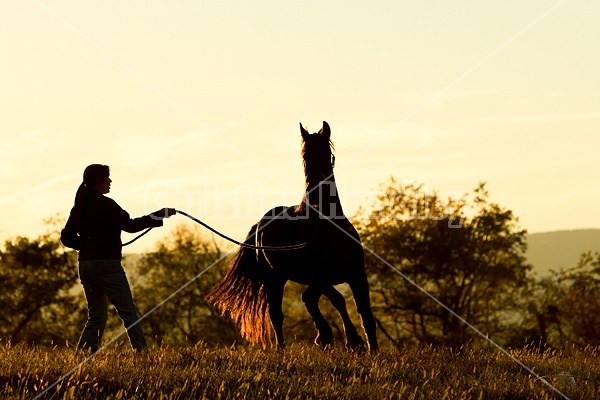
(561,249)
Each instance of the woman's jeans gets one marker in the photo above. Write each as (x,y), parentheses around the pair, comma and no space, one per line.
(103,281)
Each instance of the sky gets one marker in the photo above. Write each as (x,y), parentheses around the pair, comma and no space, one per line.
(195,105)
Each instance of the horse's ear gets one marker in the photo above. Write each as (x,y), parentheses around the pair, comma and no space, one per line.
(303,131)
(326,130)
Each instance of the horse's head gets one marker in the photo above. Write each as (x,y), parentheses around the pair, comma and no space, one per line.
(317,155)
(318,159)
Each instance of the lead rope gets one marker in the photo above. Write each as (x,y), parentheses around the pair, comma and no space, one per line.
(246,245)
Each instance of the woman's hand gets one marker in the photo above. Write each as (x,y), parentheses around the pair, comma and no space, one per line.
(164,213)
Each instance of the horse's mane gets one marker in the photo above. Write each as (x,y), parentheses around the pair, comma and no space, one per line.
(303,147)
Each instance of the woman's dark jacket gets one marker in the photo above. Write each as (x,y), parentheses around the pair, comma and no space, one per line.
(94,227)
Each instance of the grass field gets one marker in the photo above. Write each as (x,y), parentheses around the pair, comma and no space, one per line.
(300,372)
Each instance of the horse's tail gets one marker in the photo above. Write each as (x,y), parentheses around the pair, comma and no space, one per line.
(242,294)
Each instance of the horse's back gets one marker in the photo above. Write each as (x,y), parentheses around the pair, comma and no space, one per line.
(333,253)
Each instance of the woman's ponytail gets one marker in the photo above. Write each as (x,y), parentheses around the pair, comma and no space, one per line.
(81,196)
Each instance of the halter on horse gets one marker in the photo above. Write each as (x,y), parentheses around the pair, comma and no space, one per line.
(253,288)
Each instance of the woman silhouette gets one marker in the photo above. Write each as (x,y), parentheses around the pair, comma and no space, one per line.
(94,229)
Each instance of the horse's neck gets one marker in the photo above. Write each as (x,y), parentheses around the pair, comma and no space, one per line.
(335,203)
(329,203)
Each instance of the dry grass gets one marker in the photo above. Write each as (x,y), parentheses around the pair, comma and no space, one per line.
(301,372)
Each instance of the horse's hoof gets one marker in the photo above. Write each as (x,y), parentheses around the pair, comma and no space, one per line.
(326,347)
(324,343)
(355,346)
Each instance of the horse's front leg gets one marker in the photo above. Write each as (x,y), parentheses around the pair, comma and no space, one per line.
(274,302)
(310,297)
(353,339)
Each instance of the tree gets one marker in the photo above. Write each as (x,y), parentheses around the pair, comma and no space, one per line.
(467,253)
(36,276)
(181,267)
(563,309)
(578,308)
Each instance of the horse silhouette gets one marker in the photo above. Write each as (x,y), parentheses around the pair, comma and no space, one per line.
(252,290)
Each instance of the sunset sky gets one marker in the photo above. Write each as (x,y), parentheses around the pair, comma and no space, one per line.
(195,105)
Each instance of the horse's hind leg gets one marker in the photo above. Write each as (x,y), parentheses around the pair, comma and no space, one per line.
(360,290)
(274,290)
(353,339)
(310,297)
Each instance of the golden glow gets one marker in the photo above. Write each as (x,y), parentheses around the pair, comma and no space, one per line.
(196,106)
